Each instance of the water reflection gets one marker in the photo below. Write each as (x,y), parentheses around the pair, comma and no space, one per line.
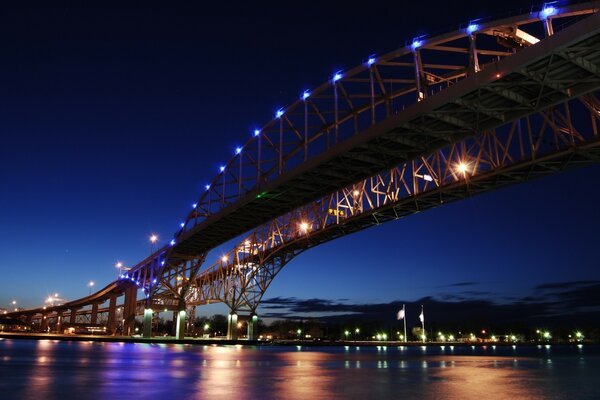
(64,370)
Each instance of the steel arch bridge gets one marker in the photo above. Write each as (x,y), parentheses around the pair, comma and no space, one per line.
(443,118)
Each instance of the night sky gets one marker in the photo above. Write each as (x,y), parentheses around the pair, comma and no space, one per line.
(112,120)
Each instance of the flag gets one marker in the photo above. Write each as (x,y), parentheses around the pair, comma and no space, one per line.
(422,316)
(400,314)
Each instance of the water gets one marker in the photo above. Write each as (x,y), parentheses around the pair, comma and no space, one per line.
(84,370)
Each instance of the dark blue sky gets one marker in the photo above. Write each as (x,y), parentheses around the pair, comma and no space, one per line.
(113,119)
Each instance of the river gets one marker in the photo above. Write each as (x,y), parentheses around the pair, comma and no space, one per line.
(52,369)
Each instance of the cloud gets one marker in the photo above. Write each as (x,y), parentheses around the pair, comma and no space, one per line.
(565,285)
(566,303)
(459,284)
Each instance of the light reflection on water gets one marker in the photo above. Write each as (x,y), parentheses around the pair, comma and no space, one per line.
(70,370)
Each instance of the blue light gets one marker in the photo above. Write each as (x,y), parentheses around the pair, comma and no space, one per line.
(337,76)
(182,224)
(172,242)
(256,132)
(371,61)
(279,113)
(472,28)
(162,263)
(222,168)
(548,11)
(207,187)
(305,95)
(416,44)
(154,281)
(238,150)
(194,205)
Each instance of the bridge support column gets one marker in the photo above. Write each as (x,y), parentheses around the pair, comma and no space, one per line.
(44,323)
(94,316)
(112,308)
(148,314)
(232,330)
(180,324)
(59,320)
(73,317)
(129,311)
(253,327)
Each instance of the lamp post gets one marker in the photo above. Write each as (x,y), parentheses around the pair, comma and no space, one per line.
(90,285)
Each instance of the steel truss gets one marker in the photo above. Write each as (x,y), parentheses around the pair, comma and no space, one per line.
(537,145)
(396,107)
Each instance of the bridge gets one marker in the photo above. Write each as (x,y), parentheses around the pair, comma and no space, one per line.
(443,118)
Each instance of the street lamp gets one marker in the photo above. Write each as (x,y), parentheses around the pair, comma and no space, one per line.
(14,303)
(90,285)
(153,240)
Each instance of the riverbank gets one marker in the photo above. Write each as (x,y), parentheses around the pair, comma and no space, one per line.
(245,342)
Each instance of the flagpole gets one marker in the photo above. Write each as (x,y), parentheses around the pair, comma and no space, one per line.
(422,323)
(404,308)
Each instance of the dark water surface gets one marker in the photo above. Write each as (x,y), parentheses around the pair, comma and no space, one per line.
(50,369)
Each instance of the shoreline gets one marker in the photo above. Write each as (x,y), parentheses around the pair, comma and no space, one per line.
(245,342)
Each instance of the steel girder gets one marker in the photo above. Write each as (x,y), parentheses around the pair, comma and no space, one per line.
(372,118)
(538,145)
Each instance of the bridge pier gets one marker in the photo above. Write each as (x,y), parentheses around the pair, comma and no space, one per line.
(147,329)
(112,308)
(73,317)
(44,323)
(180,324)
(232,330)
(129,311)
(94,316)
(59,317)
(253,327)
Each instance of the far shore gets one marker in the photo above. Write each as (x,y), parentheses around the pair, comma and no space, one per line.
(245,342)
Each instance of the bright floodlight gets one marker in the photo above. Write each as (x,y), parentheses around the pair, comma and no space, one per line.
(224,258)
(462,168)
(256,132)
(119,264)
(279,113)
(304,226)
(194,205)
(428,178)
(172,242)
(153,238)
(207,187)
(371,61)
(91,283)
(337,76)
(355,193)
(305,95)
(472,28)
(222,168)
(238,150)
(182,224)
